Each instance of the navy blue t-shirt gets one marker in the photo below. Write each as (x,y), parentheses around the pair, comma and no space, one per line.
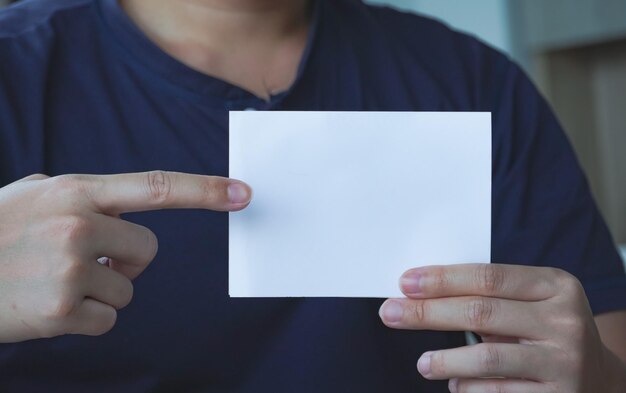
(82,90)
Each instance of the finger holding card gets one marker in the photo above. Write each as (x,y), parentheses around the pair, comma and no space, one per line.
(539,329)
(332,216)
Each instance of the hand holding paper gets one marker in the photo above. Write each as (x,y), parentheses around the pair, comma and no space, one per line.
(345,202)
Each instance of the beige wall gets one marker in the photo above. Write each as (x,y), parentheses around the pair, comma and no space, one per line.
(486,19)
(576,52)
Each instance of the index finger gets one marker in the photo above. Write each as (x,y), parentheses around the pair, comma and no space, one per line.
(514,282)
(135,192)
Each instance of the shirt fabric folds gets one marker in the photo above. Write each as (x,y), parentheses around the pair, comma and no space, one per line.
(82,90)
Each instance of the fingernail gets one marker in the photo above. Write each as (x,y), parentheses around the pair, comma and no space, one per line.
(453,385)
(410,283)
(423,364)
(391,311)
(238,192)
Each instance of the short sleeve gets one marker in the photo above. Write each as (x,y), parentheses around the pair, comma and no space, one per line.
(23,62)
(543,210)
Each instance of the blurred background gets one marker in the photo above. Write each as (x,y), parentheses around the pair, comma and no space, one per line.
(575,51)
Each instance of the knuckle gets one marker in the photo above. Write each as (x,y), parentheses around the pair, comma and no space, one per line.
(107,324)
(570,291)
(35,176)
(59,308)
(159,186)
(479,313)
(574,327)
(213,189)
(152,245)
(440,280)
(70,187)
(559,275)
(128,294)
(466,388)
(97,324)
(49,329)
(419,311)
(496,388)
(70,274)
(73,228)
(77,272)
(438,364)
(568,284)
(490,278)
(575,361)
(490,359)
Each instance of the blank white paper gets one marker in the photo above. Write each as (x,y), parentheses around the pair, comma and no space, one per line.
(345,202)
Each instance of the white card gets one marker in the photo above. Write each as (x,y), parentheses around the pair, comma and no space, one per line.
(345,202)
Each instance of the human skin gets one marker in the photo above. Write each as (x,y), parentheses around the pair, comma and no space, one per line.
(257,44)
(538,332)
(254,44)
(54,230)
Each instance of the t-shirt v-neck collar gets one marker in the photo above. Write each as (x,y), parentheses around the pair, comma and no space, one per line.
(135,46)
